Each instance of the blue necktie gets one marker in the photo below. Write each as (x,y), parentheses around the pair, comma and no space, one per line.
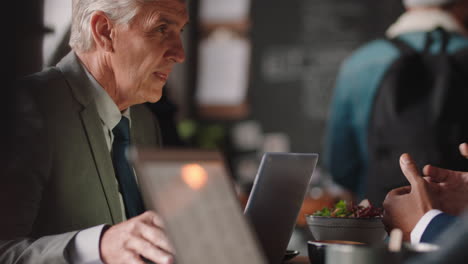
(124,172)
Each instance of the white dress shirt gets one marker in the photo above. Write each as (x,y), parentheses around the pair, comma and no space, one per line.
(422,224)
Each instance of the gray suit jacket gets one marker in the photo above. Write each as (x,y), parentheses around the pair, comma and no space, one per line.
(67,182)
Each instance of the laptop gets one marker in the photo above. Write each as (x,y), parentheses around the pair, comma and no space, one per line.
(276,198)
(191,191)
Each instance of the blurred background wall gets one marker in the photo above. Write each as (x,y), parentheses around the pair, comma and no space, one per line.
(298,46)
(29,30)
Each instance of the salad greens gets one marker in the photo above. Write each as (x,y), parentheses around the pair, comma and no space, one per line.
(341,209)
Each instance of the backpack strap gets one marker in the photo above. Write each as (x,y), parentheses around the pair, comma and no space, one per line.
(445,38)
(404,48)
(439,94)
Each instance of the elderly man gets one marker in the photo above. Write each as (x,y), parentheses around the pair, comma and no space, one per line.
(77,201)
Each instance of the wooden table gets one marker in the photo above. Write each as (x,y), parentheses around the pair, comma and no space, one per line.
(299,260)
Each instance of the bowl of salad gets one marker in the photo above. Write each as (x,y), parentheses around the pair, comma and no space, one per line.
(348,222)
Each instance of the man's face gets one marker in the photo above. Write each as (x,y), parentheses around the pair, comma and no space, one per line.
(145,51)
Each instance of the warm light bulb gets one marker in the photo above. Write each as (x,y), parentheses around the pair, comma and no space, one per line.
(194,176)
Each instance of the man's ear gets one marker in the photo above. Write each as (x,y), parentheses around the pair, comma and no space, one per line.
(101,29)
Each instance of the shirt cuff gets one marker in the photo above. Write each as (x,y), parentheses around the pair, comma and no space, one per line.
(422,224)
(84,247)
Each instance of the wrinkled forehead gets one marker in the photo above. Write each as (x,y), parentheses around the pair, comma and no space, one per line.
(174,10)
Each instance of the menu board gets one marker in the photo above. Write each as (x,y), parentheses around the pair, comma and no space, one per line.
(298,46)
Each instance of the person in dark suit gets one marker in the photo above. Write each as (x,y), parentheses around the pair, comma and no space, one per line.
(74,198)
(430,204)
(455,242)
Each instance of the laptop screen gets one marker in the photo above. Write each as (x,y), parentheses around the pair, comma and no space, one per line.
(193,194)
(276,198)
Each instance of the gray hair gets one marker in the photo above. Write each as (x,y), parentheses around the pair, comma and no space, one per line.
(119,11)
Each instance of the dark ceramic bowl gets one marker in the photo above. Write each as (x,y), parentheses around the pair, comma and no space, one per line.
(343,252)
(364,230)
(316,249)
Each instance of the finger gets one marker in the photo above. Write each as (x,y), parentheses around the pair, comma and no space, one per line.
(131,258)
(400,191)
(464,149)
(433,184)
(157,237)
(434,173)
(152,218)
(439,174)
(429,180)
(155,231)
(146,249)
(157,220)
(410,170)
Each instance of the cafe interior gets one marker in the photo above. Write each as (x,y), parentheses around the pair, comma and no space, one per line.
(258,84)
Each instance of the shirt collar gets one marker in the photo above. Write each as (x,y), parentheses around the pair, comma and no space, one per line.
(423,20)
(107,109)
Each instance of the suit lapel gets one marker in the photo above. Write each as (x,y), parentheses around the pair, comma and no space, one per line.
(82,90)
(93,127)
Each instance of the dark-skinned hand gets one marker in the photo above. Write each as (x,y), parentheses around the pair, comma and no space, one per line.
(451,187)
(404,206)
